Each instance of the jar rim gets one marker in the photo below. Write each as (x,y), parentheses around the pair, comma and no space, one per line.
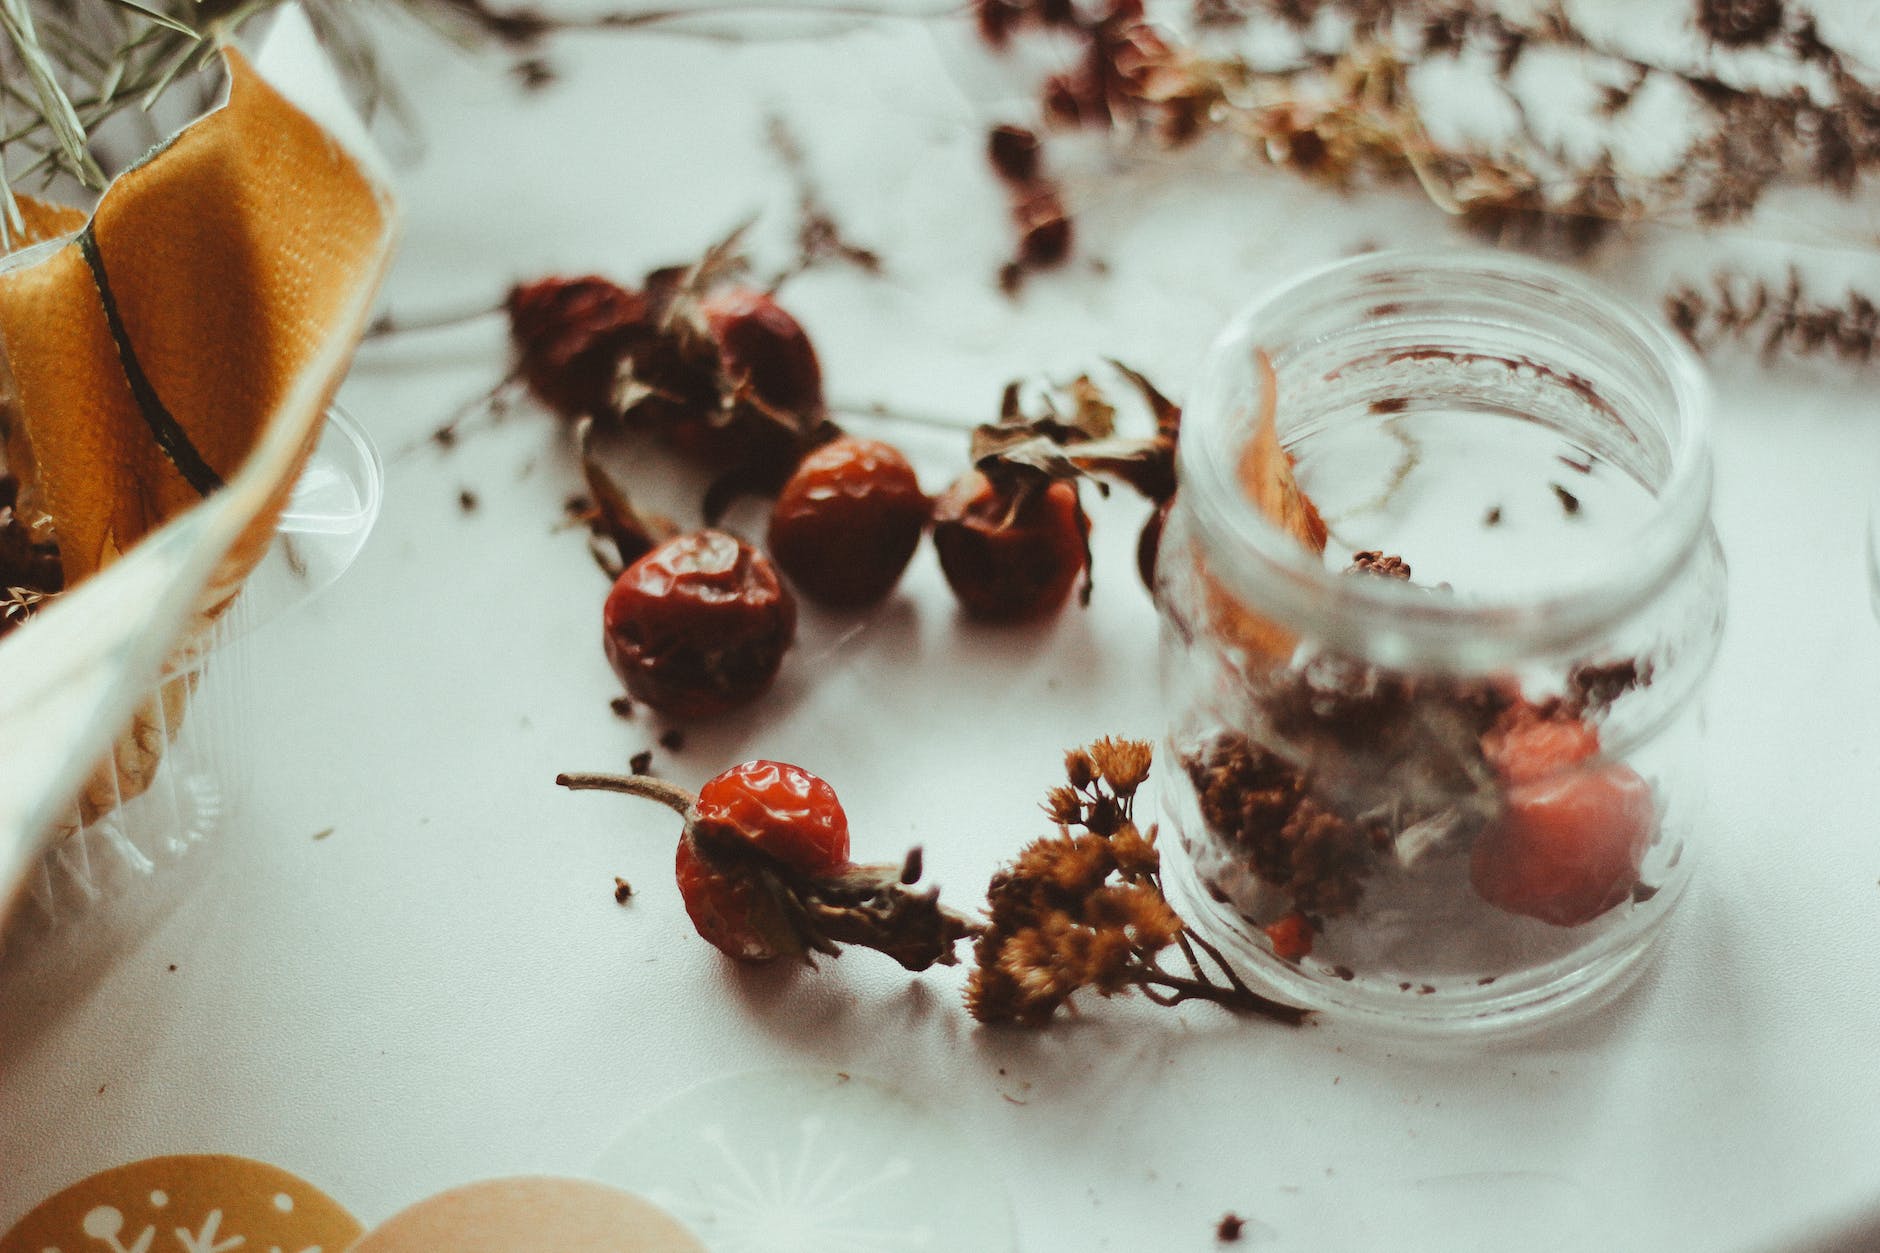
(1389,620)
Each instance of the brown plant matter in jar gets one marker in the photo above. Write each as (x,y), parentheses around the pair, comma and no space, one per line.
(1356,767)
(1085,909)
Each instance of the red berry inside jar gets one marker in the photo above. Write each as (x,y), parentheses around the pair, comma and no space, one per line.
(699,625)
(847,522)
(1010,553)
(1568,848)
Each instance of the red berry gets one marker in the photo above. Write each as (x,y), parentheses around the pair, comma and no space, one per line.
(1567,848)
(732,911)
(784,810)
(1006,565)
(699,625)
(1527,745)
(1290,936)
(571,335)
(847,522)
(765,348)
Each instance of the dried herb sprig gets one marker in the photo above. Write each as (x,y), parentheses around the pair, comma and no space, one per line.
(1085,909)
(1778,317)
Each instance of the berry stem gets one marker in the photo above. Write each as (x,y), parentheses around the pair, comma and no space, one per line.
(671,795)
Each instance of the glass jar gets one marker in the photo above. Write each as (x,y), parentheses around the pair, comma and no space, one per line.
(1454,790)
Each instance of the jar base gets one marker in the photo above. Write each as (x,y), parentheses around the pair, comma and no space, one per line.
(1492,1009)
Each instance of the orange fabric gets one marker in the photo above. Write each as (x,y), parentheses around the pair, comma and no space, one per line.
(231,253)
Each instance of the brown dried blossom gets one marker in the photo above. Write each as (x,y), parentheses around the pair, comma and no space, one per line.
(1085,909)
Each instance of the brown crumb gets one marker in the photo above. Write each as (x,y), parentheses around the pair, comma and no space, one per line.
(641,762)
(172,967)
(322,834)
(1345,972)
(467,500)
(1568,501)
(1493,517)
(622,706)
(1425,990)
(1395,404)
(672,740)
(623,891)
(1484,981)
(1229,1229)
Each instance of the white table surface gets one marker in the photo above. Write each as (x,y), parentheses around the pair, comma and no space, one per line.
(444,988)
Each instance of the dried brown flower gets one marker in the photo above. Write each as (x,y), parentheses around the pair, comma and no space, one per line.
(1085,909)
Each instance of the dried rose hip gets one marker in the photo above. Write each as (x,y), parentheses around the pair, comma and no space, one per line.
(699,625)
(847,522)
(571,335)
(765,348)
(1010,560)
(782,809)
(731,911)
(785,812)
(1566,849)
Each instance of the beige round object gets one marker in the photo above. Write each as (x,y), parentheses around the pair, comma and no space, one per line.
(530,1215)
(200,1202)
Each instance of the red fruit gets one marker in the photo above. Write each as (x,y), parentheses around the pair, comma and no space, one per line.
(732,912)
(781,810)
(1009,565)
(699,625)
(571,335)
(1527,745)
(1566,849)
(765,349)
(847,522)
(784,810)
(1290,936)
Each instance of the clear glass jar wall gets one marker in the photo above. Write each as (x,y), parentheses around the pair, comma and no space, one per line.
(1453,790)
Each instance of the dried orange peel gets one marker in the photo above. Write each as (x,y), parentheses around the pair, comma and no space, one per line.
(1266,475)
(209,305)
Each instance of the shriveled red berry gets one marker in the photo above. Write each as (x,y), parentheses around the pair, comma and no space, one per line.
(1290,936)
(1567,848)
(732,911)
(784,812)
(699,625)
(781,809)
(847,522)
(1009,565)
(571,335)
(764,347)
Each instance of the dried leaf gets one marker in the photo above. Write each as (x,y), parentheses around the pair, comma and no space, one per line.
(1266,470)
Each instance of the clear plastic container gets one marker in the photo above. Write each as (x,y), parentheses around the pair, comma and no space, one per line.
(197,719)
(1462,799)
